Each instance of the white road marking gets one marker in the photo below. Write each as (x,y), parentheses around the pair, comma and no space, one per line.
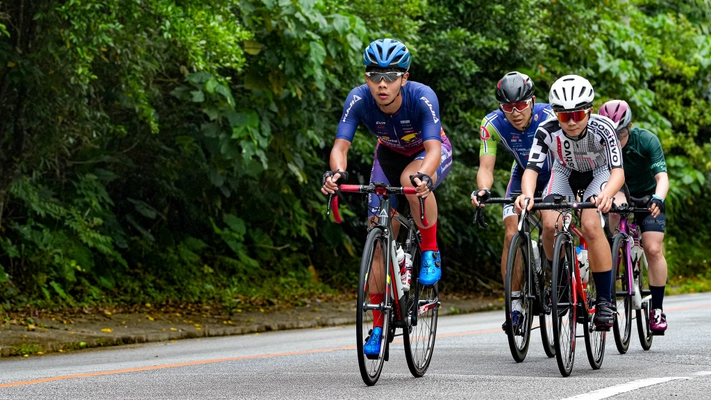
(625,387)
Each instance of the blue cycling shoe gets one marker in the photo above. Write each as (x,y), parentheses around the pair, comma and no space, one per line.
(517,320)
(372,345)
(431,268)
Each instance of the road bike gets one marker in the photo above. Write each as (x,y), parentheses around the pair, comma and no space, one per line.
(527,282)
(628,288)
(414,311)
(573,295)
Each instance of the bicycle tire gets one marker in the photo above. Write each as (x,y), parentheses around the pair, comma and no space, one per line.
(420,333)
(595,340)
(622,328)
(545,315)
(370,369)
(519,339)
(563,304)
(643,315)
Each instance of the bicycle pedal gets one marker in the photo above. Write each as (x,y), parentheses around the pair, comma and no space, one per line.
(657,333)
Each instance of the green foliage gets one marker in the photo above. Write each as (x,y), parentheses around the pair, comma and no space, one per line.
(161,151)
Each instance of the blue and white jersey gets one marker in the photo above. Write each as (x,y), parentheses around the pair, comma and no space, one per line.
(495,128)
(417,120)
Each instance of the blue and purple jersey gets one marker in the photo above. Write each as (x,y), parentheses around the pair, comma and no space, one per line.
(417,120)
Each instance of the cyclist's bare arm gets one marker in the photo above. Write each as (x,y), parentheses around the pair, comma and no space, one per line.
(433,156)
(614,184)
(485,175)
(662,190)
(339,161)
(528,188)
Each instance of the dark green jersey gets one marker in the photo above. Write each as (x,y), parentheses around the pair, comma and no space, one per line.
(643,158)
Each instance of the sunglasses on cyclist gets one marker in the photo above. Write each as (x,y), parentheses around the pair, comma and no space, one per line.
(518,106)
(390,76)
(577,116)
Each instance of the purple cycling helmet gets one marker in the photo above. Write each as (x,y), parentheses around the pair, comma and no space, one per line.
(618,111)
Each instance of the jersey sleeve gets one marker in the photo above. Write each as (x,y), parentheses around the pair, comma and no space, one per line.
(489,136)
(428,108)
(655,154)
(352,110)
(538,156)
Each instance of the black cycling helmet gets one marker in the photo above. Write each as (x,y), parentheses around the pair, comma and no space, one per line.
(514,87)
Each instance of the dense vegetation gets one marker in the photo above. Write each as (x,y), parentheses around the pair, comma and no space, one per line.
(161,150)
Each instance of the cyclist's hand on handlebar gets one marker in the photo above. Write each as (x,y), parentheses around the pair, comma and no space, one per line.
(423,184)
(478,196)
(655,205)
(329,183)
(521,202)
(602,201)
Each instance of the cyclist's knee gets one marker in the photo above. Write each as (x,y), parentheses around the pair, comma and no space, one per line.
(548,226)
(653,250)
(508,236)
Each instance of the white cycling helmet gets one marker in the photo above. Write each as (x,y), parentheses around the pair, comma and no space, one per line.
(570,93)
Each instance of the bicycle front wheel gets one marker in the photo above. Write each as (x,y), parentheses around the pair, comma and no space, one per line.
(594,339)
(373,307)
(622,327)
(643,314)
(564,310)
(518,302)
(419,334)
(545,315)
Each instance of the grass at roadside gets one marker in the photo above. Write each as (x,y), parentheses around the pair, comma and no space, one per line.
(689,284)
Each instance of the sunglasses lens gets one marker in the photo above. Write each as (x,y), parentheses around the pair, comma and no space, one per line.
(576,116)
(518,106)
(379,76)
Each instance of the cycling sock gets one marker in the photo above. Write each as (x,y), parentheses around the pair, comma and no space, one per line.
(603,282)
(377,298)
(657,296)
(429,238)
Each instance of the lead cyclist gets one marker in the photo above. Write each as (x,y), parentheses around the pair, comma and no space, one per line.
(404,116)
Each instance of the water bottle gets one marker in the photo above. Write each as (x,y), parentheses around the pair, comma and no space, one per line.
(404,260)
(583,263)
(536,257)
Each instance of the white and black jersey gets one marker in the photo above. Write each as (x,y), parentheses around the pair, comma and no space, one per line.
(597,148)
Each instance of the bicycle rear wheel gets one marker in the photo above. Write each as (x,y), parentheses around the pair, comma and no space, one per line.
(372,280)
(643,314)
(517,271)
(563,307)
(622,327)
(594,339)
(420,333)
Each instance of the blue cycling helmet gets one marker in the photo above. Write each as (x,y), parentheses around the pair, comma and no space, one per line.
(387,53)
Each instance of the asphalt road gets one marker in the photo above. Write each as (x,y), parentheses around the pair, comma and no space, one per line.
(471,361)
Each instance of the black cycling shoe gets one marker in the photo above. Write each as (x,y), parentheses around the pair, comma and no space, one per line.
(604,315)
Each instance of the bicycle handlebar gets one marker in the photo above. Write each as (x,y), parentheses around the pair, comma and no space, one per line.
(376,188)
(634,204)
(479,215)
